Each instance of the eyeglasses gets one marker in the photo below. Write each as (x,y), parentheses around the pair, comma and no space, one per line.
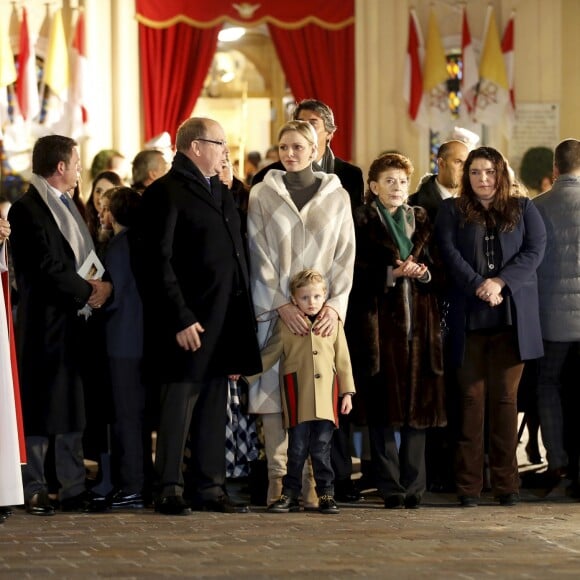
(221,143)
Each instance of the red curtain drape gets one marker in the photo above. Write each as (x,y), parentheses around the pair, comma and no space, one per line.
(319,64)
(174,64)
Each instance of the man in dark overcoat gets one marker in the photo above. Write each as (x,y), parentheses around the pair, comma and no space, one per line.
(199,321)
(50,242)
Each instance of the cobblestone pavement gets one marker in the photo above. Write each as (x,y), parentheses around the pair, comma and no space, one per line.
(536,539)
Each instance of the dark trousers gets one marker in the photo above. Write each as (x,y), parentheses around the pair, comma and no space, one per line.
(341,456)
(314,438)
(490,375)
(197,409)
(550,395)
(399,471)
(128,430)
(69,464)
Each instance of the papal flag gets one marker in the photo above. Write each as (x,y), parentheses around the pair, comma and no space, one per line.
(493,90)
(435,76)
(7,77)
(56,72)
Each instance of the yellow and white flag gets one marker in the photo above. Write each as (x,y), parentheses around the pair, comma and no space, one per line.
(493,92)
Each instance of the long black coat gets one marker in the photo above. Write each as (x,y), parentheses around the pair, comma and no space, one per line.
(194,269)
(49,334)
(400,381)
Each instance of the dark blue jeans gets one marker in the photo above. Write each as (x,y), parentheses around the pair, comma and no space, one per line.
(314,438)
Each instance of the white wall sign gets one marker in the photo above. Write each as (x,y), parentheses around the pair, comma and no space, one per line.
(536,125)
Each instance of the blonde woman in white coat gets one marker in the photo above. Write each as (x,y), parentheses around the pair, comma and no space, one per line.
(297,219)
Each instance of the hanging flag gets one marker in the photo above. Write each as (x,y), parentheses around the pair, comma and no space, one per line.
(507,48)
(413,80)
(493,89)
(56,75)
(435,78)
(469,77)
(7,77)
(14,29)
(27,83)
(56,66)
(79,77)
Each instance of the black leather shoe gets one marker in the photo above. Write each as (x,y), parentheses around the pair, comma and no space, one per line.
(122,499)
(85,502)
(394,502)
(222,504)
(509,499)
(412,502)
(3,518)
(172,505)
(284,505)
(327,505)
(347,492)
(39,505)
(468,501)
(6,511)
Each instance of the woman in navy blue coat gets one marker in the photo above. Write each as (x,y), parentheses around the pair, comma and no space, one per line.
(491,242)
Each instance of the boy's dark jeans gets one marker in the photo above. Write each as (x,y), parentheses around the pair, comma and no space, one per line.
(314,438)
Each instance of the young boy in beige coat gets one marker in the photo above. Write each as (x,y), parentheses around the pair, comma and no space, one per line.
(315,372)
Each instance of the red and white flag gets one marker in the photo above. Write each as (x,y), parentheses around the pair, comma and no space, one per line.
(79,77)
(26,84)
(470,76)
(507,48)
(413,79)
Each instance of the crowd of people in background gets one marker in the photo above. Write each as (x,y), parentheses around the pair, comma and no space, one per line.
(154,316)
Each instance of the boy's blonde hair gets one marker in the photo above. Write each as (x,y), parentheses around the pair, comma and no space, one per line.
(306,278)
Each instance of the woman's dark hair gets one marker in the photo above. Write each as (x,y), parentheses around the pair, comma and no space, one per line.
(124,205)
(91,212)
(504,210)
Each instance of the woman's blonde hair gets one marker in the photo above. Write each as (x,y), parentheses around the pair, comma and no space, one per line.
(303,128)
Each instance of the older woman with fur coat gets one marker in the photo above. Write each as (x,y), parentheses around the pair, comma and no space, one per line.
(394,331)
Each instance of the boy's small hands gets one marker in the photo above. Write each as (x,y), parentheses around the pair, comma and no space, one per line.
(346,404)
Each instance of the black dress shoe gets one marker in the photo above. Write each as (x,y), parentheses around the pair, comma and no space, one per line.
(327,505)
(85,502)
(508,499)
(122,499)
(172,505)
(222,504)
(39,505)
(284,505)
(6,511)
(412,501)
(394,502)
(468,501)
(347,492)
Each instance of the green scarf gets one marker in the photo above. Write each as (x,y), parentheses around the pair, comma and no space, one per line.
(396,224)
